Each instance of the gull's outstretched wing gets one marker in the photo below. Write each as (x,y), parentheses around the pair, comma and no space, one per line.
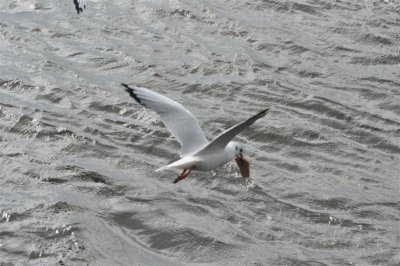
(225,137)
(79,5)
(180,121)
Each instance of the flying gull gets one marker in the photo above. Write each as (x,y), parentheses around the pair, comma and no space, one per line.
(197,154)
(79,5)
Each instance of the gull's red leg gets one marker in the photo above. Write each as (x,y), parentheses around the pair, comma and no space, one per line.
(183,175)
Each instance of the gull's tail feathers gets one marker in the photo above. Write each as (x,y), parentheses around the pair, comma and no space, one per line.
(162,168)
(184,163)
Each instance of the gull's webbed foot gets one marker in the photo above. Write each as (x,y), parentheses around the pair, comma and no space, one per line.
(183,175)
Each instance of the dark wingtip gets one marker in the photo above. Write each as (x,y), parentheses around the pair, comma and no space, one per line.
(262,113)
(132,93)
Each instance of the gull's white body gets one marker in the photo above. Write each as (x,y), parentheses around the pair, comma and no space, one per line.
(196,152)
(205,162)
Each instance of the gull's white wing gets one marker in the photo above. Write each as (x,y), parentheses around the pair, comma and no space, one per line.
(180,121)
(225,137)
(79,5)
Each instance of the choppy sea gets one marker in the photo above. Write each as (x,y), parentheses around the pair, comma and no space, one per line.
(77,155)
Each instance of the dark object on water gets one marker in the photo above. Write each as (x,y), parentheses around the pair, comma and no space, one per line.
(244,166)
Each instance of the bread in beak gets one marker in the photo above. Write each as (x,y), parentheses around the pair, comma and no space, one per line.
(244,166)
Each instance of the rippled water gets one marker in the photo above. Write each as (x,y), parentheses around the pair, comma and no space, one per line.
(77,156)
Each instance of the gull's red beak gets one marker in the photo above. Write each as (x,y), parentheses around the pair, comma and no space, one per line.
(244,166)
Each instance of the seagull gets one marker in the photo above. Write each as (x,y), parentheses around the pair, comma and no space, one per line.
(79,5)
(197,153)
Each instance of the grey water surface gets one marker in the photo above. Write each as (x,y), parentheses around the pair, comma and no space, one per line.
(77,155)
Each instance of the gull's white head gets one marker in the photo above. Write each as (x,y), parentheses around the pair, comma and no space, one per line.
(235,149)
(238,151)
(243,163)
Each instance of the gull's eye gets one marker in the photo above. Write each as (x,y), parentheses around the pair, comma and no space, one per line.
(241,150)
